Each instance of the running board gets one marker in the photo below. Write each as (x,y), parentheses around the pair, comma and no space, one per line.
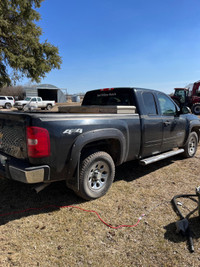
(160,157)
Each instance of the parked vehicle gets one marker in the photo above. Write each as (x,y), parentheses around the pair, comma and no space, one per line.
(188,96)
(34,102)
(111,127)
(7,101)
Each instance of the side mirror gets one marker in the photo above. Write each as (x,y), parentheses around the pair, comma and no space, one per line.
(185,110)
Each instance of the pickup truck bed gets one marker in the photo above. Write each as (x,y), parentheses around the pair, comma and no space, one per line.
(84,148)
(98,109)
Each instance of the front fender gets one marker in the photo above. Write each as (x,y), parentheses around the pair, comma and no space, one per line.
(84,139)
(192,125)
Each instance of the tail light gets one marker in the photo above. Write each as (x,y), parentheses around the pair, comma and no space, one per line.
(38,142)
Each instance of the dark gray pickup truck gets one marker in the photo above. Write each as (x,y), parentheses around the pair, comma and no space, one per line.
(83,144)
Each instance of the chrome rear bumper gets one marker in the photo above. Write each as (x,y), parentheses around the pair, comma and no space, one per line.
(30,175)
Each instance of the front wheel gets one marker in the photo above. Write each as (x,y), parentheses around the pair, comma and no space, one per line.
(191,145)
(24,107)
(97,173)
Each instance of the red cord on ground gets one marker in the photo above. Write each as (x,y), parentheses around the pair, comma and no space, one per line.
(76,207)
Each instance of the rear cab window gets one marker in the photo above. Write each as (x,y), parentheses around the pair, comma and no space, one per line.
(113,97)
(149,104)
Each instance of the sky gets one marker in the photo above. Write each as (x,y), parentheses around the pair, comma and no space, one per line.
(118,43)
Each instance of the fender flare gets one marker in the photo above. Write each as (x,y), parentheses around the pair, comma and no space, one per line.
(84,139)
(193,126)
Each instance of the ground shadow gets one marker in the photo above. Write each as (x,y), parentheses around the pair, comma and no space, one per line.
(19,200)
(132,170)
(174,234)
(175,237)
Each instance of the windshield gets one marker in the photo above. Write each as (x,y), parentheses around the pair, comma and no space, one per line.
(27,99)
(179,93)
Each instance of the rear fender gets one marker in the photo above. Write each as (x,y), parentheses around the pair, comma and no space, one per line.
(82,140)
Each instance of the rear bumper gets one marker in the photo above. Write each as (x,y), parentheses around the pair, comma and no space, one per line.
(21,171)
(30,175)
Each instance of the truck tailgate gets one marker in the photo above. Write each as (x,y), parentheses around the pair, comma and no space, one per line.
(13,134)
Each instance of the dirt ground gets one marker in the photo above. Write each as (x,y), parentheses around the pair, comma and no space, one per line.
(39,230)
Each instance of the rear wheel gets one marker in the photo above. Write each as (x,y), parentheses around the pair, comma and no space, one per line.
(97,173)
(196,109)
(49,107)
(8,105)
(191,145)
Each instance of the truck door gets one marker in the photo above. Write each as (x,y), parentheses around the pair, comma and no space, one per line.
(39,102)
(173,125)
(151,126)
(33,102)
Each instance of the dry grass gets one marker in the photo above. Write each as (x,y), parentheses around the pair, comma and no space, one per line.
(70,237)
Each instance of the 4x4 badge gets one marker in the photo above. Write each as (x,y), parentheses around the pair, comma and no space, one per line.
(71,131)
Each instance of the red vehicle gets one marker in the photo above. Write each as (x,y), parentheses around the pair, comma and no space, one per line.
(188,96)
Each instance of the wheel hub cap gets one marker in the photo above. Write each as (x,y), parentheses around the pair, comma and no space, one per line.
(192,146)
(98,175)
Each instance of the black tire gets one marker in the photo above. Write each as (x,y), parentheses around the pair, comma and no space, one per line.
(191,145)
(49,107)
(8,105)
(97,173)
(196,109)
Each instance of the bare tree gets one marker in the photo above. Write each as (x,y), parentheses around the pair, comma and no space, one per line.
(16,91)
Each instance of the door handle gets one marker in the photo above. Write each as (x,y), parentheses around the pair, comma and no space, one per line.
(167,123)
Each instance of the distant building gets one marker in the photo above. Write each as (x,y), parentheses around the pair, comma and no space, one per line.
(47,92)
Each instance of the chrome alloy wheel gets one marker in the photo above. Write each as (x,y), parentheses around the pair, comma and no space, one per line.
(192,146)
(98,175)
(97,172)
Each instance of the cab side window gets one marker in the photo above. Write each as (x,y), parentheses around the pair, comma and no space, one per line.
(149,103)
(167,107)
